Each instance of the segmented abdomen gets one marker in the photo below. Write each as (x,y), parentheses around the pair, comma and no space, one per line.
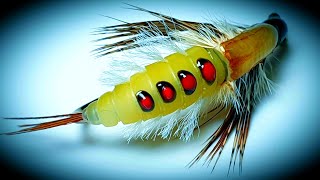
(164,87)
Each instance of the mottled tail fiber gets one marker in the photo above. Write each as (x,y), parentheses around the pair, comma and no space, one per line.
(66,119)
(237,119)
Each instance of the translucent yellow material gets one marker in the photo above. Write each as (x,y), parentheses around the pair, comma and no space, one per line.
(125,103)
(248,48)
(91,113)
(210,54)
(162,71)
(141,81)
(121,105)
(107,113)
(180,62)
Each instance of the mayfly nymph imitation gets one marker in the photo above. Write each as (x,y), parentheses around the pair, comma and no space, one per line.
(215,68)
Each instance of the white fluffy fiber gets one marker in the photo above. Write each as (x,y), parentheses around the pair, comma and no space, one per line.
(153,47)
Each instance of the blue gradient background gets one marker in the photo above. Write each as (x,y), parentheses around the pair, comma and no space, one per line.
(46,68)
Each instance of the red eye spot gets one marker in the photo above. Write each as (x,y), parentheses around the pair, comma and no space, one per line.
(188,82)
(166,91)
(145,101)
(208,71)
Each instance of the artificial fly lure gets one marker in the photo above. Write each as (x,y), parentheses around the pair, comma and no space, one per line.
(215,69)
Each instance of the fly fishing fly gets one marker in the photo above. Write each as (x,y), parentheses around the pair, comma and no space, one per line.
(214,68)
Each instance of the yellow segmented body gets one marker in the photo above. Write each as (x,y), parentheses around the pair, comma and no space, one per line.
(121,104)
(239,55)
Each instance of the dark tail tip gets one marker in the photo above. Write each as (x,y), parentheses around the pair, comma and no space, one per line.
(281,26)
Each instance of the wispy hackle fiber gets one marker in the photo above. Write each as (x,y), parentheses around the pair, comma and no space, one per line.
(149,38)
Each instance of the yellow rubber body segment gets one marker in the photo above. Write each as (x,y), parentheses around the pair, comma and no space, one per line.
(195,53)
(180,62)
(122,104)
(141,82)
(125,103)
(106,110)
(90,113)
(159,72)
